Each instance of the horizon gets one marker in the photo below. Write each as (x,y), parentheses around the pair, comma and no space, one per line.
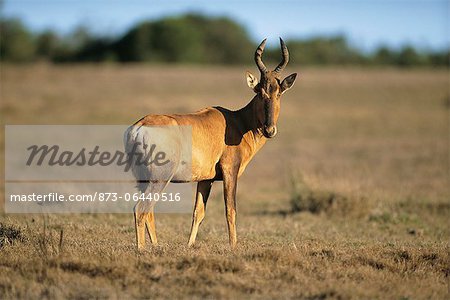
(359,22)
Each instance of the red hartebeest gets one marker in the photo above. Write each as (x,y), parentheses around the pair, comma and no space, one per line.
(223,143)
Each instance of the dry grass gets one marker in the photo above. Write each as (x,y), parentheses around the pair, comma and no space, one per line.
(367,219)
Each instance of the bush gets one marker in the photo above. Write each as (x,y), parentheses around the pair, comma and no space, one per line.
(190,38)
(305,199)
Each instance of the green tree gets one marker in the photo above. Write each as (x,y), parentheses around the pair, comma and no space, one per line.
(441,58)
(408,56)
(384,56)
(225,42)
(47,44)
(190,38)
(320,50)
(16,42)
(177,40)
(136,44)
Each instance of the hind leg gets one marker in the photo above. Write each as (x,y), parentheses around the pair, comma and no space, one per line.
(151,228)
(157,187)
(139,223)
(145,216)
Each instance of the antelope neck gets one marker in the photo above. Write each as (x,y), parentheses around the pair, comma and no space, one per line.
(247,117)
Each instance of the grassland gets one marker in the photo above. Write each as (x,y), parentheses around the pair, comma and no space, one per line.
(349,200)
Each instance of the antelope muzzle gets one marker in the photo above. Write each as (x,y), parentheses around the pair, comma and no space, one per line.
(269,131)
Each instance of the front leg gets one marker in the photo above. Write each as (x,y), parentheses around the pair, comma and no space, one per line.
(229,190)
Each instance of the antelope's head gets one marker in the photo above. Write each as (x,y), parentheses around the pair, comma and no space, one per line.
(269,90)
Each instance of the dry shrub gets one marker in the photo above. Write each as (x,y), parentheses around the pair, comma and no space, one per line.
(9,234)
(437,207)
(401,261)
(50,241)
(305,199)
(208,264)
(92,269)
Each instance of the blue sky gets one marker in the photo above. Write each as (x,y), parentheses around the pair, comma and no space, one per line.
(367,23)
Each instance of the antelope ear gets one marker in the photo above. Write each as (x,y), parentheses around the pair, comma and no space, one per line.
(288,82)
(252,81)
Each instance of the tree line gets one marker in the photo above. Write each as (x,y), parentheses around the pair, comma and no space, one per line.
(192,39)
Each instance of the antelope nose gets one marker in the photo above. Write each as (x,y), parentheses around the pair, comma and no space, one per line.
(269,131)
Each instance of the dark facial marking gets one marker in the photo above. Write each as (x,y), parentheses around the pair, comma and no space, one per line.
(268,110)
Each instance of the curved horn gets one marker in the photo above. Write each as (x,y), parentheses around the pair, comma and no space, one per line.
(285,59)
(258,59)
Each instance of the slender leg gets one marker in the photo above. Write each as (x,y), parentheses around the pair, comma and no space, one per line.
(156,187)
(203,189)
(145,217)
(150,222)
(139,219)
(229,191)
